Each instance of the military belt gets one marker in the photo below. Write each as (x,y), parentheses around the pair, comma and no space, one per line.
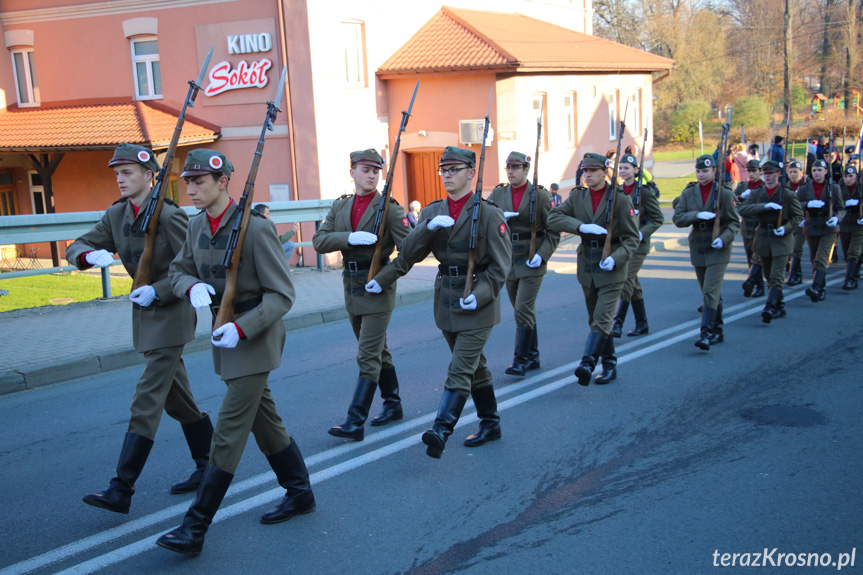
(523,237)
(457,271)
(704,226)
(362,265)
(241,307)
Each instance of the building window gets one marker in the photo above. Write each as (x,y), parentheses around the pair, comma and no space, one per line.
(37,193)
(26,86)
(611,98)
(353,38)
(570,111)
(146,68)
(8,205)
(540,104)
(635,106)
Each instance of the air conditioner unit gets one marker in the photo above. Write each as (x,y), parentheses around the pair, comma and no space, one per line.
(470,132)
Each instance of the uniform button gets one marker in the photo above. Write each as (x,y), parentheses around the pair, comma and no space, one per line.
(214,269)
(213,241)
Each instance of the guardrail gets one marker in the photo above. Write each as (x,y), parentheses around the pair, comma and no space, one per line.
(32,229)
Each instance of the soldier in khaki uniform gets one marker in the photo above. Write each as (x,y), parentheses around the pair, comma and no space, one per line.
(822,202)
(650,219)
(695,207)
(349,227)
(525,275)
(585,212)
(161,325)
(778,213)
(753,286)
(244,351)
(851,226)
(466,322)
(796,177)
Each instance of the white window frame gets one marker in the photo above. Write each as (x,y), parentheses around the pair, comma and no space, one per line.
(570,110)
(611,99)
(30,79)
(635,106)
(148,61)
(34,191)
(356,72)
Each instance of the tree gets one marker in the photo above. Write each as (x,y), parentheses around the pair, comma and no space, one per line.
(751,111)
(684,120)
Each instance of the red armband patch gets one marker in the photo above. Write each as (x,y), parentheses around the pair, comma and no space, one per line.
(631,212)
(405,222)
(503,229)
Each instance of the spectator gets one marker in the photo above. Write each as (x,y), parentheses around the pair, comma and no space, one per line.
(555,195)
(777,152)
(285,238)
(413,213)
(732,171)
(740,158)
(836,167)
(753,152)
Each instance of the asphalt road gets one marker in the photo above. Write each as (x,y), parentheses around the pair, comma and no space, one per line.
(755,444)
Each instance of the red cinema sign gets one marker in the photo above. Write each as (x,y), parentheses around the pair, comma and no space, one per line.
(245,75)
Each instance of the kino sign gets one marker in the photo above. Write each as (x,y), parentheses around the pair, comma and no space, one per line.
(247,74)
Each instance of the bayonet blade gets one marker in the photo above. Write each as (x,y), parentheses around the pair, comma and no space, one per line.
(204,68)
(413,96)
(281,89)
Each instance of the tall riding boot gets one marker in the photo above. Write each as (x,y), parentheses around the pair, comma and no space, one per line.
(822,285)
(118,496)
(389,384)
(533,351)
(451,406)
(292,474)
(609,363)
(708,316)
(779,304)
(489,420)
(199,436)
(752,282)
(619,317)
(769,311)
(716,329)
(814,291)
(795,276)
(188,538)
(641,327)
(523,338)
(851,271)
(353,428)
(592,349)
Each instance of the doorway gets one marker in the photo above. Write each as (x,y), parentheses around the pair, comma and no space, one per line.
(424,184)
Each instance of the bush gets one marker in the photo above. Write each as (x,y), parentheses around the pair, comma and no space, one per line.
(684,120)
(750,111)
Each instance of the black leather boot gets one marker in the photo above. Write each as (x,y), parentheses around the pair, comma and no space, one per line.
(641,327)
(717,328)
(619,318)
(451,406)
(795,276)
(292,474)
(353,428)
(489,420)
(118,496)
(752,282)
(592,349)
(609,363)
(389,384)
(523,339)
(708,316)
(188,538)
(769,311)
(779,304)
(814,291)
(852,269)
(533,351)
(199,436)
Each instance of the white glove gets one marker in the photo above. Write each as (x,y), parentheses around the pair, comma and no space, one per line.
(143,296)
(851,203)
(362,239)
(467,303)
(860,222)
(200,294)
(831,223)
(635,211)
(535,262)
(592,229)
(509,215)
(374,287)
(99,258)
(780,231)
(746,194)
(772,206)
(228,336)
(706,215)
(607,264)
(718,243)
(640,236)
(815,204)
(801,224)
(440,222)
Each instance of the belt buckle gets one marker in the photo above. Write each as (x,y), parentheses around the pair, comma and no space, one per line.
(771,226)
(516,237)
(352,266)
(214,309)
(702,226)
(594,244)
(453,271)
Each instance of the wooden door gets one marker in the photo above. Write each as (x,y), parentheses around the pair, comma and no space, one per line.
(424,183)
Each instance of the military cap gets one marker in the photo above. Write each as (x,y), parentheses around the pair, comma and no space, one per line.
(592,160)
(132,154)
(819,164)
(771,166)
(849,169)
(517,159)
(203,161)
(753,164)
(705,161)
(554,186)
(368,157)
(629,159)
(792,163)
(453,155)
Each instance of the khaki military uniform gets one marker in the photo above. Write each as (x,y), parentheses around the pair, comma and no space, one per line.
(820,237)
(465,331)
(850,232)
(799,236)
(773,251)
(265,293)
(649,219)
(369,313)
(601,288)
(160,330)
(747,224)
(709,262)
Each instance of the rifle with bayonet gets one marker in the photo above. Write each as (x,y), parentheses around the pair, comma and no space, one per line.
(532,249)
(783,168)
(859,163)
(636,202)
(234,249)
(719,180)
(477,202)
(384,205)
(153,210)
(611,189)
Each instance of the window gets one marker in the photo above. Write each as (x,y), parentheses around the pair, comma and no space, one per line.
(635,106)
(570,109)
(539,106)
(611,98)
(353,38)
(146,69)
(8,207)
(37,193)
(26,86)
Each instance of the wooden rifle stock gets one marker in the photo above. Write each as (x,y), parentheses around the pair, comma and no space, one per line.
(532,249)
(612,189)
(477,203)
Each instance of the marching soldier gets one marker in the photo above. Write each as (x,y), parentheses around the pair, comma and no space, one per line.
(466,322)
(824,207)
(244,351)
(161,326)
(349,227)
(753,286)
(585,212)
(650,219)
(796,177)
(709,256)
(851,227)
(778,212)
(525,275)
